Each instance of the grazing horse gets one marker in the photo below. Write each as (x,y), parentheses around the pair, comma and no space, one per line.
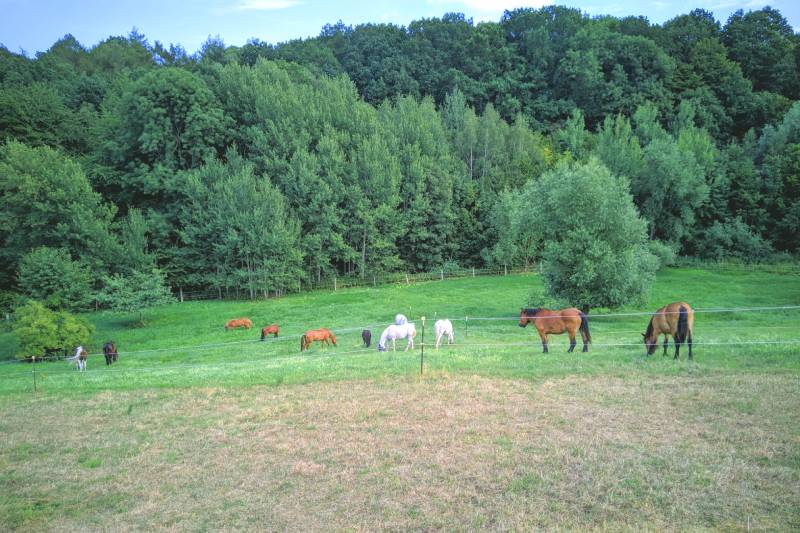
(79,358)
(366,336)
(676,319)
(269,330)
(110,352)
(440,329)
(245,323)
(322,335)
(394,332)
(557,322)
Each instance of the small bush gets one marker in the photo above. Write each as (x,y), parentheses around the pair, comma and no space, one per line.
(37,329)
(733,239)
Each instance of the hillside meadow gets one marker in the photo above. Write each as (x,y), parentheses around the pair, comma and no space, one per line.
(198,428)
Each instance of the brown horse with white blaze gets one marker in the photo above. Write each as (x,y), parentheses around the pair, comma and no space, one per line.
(676,319)
(322,335)
(546,322)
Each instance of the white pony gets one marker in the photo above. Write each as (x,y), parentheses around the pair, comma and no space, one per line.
(79,358)
(441,328)
(394,332)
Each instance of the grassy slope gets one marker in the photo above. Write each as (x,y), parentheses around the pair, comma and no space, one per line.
(608,440)
(185,345)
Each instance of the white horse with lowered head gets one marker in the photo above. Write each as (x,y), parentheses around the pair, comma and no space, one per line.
(394,332)
(79,358)
(440,329)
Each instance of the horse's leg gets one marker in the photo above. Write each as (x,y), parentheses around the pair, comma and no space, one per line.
(571,333)
(394,345)
(666,345)
(677,347)
(689,342)
(438,339)
(544,341)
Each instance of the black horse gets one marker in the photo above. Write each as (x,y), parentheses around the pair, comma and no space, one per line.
(366,336)
(110,351)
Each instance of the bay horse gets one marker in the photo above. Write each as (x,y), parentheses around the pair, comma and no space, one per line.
(322,335)
(557,322)
(440,329)
(269,330)
(80,357)
(394,332)
(676,319)
(110,352)
(366,336)
(245,323)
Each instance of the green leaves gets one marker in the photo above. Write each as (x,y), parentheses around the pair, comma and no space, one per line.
(38,329)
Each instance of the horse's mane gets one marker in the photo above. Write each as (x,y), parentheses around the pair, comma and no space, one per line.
(649,329)
(532,312)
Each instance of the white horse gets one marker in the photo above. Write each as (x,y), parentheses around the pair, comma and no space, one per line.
(441,328)
(394,332)
(79,358)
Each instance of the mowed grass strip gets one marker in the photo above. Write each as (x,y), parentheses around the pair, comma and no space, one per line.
(443,452)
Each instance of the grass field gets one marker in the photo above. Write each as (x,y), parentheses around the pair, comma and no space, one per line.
(197,428)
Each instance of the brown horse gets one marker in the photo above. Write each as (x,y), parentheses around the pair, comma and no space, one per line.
(245,323)
(269,330)
(557,322)
(676,319)
(323,335)
(110,352)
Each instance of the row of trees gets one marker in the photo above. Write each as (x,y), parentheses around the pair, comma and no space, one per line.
(380,148)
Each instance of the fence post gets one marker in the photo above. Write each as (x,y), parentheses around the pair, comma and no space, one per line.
(334,283)
(466,326)
(505,270)
(442,274)
(422,351)
(181,290)
(34,373)
(406,278)
(473,272)
(374,282)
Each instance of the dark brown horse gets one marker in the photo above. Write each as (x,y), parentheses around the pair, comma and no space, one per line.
(366,336)
(322,335)
(676,319)
(546,322)
(110,352)
(269,330)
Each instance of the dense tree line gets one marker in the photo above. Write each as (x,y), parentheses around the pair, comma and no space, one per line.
(379,148)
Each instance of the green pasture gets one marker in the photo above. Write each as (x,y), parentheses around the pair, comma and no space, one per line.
(184,344)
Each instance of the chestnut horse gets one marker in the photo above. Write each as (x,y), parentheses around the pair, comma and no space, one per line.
(676,319)
(557,322)
(322,335)
(245,323)
(110,352)
(269,330)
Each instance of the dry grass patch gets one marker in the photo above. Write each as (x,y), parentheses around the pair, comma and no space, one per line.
(451,453)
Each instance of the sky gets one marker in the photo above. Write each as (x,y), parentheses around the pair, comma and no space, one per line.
(34,25)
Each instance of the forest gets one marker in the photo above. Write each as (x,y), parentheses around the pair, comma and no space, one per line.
(379,148)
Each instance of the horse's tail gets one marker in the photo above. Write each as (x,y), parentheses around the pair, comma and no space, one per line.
(585,326)
(683,324)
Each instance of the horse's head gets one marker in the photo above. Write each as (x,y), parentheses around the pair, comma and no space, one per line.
(525,316)
(650,339)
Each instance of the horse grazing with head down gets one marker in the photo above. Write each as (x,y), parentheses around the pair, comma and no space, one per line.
(245,323)
(322,335)
(440,329)
(676,319)
(394,332)
(110,352)
(366,336)
(546,322)
(269,330)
